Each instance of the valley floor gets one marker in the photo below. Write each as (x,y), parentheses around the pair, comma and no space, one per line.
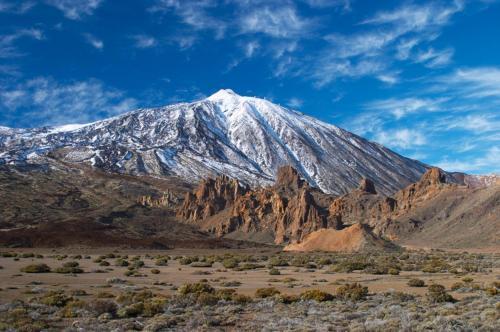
(247,290)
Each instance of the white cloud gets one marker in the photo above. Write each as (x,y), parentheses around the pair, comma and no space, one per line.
(401,138)
(480,82)
(76,9)
(17,7)
(194,13)
(400,107)
(433,58)
(414,17)
(295,102)
(144,41)
(251,47)
(280,22)
(93,41)
(388,78)
(7,42)
(490,161)
(385,37)
(345,5)
(477,123)
(45,101)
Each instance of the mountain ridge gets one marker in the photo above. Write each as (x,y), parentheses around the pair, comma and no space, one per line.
(247,138)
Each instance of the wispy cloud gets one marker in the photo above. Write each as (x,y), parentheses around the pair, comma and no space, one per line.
(433,59)
(479,82)
(489,160)
(45,101)
(281,22)
(94,41)
(400,107)
(194,13)
(345,5)
(401,138)
(144,41)
(295,102)
(75,9)
(386,37)
(8,48)
(16,7)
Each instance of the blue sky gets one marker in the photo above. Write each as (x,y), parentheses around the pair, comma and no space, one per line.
(421,77)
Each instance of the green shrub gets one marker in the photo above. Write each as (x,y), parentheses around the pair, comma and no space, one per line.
(187,260)
(201,264)
(69,267)
(72,308)
(225,294)
(437,294)
(416,283)
(99,307)
(277,261)
(121,262)
(316,295)
(36,268)
(154,305)
(241,299)
(274,272)
(137,264)
(161,261)
(266,292)
(195,288)
(55,298)
(207,299)
(230,263)
(352,292)
(132,310)
(287,299)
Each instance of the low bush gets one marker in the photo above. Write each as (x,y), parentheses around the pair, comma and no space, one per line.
(316,295)
(437,294)
(241,299)
(161,261)
(55,298)
(69,267)
(201,264)
(155,271)
(354,292)
(121,262)
(274,272)
(36,268)
(416,283)
(230,263)
(266,292)
(99,307)
(195,288)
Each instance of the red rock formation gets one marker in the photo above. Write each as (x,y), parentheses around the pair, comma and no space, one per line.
(367,186)
(288,210)
(211,197)
(291,209)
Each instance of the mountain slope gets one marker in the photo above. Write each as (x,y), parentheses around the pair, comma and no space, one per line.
(243,137)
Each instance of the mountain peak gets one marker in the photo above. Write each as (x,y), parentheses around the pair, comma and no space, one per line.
(223,94)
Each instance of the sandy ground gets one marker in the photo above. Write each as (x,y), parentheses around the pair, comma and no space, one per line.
(17,285)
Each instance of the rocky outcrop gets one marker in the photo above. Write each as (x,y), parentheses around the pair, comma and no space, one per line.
(288,210)
(431,183)
(367,186)
(167,199)
(211,197)
(291,212)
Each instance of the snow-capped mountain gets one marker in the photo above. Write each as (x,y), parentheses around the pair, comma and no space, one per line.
(243,137)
